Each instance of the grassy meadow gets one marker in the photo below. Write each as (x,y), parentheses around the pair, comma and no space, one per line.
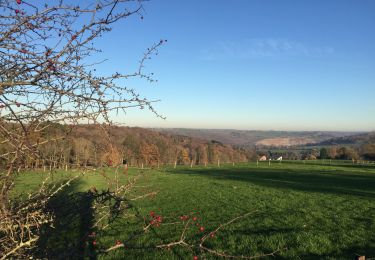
(301,210)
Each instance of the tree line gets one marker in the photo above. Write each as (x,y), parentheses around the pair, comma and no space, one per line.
(86,146)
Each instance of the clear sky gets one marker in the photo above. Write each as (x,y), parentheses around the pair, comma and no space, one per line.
(259,64)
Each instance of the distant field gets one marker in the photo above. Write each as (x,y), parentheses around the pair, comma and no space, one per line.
(285,141)
(309,210)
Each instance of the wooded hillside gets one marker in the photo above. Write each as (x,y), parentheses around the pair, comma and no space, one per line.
(85,145)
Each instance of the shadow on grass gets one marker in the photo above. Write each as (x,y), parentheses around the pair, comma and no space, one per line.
(134,249)
(73,222)
(70,237)
(307,180)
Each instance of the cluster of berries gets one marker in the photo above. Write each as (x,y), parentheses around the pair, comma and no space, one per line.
(184,217)
(17,11)
(156,220)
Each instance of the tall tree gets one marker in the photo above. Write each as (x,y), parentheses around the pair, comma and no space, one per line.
(323,153)
(368,151)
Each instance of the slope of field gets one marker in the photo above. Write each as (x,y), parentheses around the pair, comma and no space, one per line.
(253,137)
(301,211)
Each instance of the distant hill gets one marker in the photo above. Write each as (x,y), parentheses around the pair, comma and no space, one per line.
(248,138)
(356,139)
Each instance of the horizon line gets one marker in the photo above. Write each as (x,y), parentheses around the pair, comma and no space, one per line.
(259,130)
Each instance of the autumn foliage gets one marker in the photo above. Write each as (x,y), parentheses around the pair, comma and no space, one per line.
(86,146)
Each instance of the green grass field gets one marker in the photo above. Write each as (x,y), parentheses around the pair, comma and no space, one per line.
(308,211)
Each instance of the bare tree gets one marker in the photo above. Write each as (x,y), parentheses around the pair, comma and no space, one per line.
(46,79)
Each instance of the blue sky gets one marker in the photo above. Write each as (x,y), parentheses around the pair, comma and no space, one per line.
(270,65)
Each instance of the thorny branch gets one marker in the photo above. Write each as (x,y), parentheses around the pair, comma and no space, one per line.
(183,241)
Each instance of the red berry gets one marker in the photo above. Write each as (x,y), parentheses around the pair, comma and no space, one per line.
(19,2)
(212,235)
(201,228)
(195,257)
(152,213)
(17,11)
(195,218)
(118,242)
(94,242)
(74,37)
(18,104)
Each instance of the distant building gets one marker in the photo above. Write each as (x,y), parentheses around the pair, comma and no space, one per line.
(263,158)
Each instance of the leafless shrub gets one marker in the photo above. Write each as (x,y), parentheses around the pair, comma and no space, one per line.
(46,80)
